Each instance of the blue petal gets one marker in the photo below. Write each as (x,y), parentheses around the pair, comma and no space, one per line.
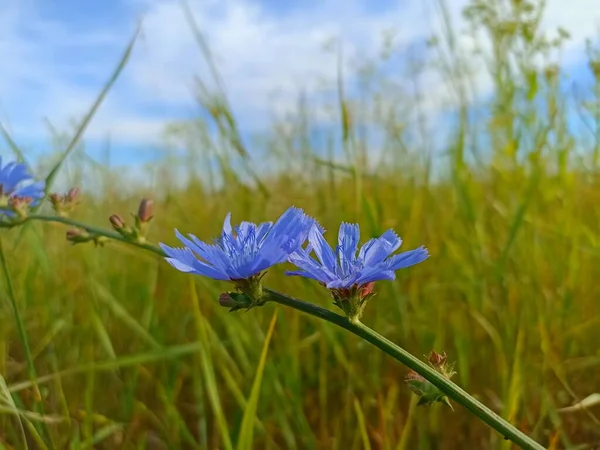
(227,224)
(348,238)
(34,191)
(184,260)
(296,236)
(340,283)
(262,230)
(375,274)
(210,253)
(286,235)
(180,258)
(248,250)
(302,273)
(302,259)
(322,249)
(407,259)
(230,245)
(310,267)
(286,221)
(12,175)
(201,268)
(179,265)
(243,266)
(245,229)
(376,250)
(261,264)
(199,250)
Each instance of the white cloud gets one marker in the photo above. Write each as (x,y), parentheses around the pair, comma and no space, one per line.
(262,57)
(52,67)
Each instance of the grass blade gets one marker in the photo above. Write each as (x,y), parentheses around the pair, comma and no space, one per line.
(39,408)
(208,371)
(11,404)
(165,353)
(118,310)
(362,425)
(13,146)
(246,435)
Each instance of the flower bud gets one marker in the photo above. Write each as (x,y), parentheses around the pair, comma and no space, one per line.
(73,234)
(427,392)
(235,301)
(63,204)
(74,195)
(145,210)
(77,236)
(366,289)
(226,301)
(54,198)
(437,360)
(20,205)
(117,222)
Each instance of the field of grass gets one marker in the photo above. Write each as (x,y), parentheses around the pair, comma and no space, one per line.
(129,353)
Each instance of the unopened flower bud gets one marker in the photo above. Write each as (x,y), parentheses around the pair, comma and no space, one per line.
(414,376)
(17,202)
(77,236)
(146,210)
(235,301)
(437,360)
(63,204)
(20,205)
(367,289)
(74,195)
(54,198)
(226,300)
(73,234)
(427,392)
(117,222)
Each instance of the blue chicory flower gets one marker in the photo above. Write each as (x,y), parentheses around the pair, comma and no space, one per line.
(244,251)
(14,178)
(342,269)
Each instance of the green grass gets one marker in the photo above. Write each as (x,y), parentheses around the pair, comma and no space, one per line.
(119,350)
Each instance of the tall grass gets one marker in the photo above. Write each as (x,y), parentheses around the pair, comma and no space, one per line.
(129,353)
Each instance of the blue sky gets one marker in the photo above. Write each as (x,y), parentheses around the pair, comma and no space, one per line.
(56,55)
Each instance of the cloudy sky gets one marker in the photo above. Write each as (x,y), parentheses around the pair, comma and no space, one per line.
(57,54)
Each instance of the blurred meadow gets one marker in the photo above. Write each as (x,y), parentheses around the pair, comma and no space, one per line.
(504,191)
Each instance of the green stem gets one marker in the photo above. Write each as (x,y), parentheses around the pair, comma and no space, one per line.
(445,385)
(93,230)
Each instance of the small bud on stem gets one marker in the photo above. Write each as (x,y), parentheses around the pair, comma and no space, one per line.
(20,205)
(117,222)
(226,301)
(428,392)
(74,195)
(77,236)
(146,210)
(142,220)
(64,204)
